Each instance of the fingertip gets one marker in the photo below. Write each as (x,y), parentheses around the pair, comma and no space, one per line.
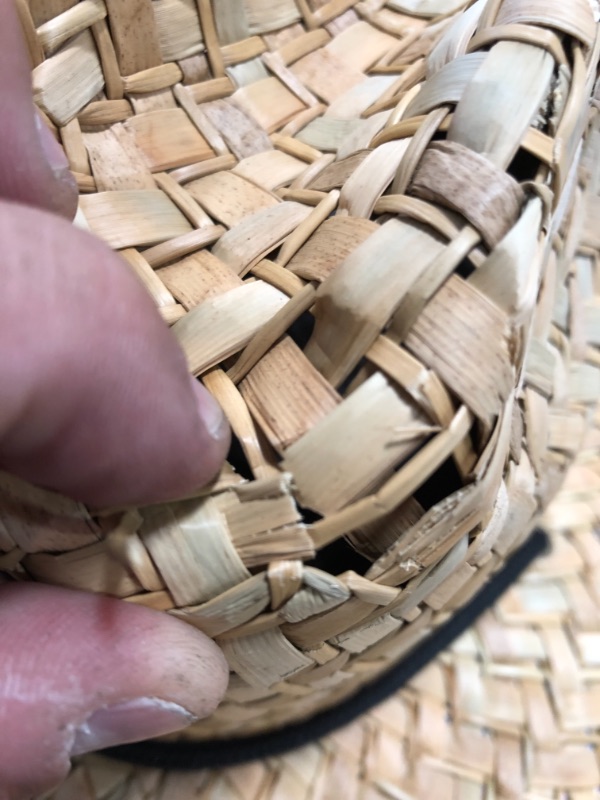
(216,436)
(113,417)
(211,414)
(62,196)
(80,672)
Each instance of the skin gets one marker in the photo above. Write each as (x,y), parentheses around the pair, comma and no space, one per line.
(95,402)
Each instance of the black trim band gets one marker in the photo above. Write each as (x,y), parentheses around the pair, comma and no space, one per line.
(188,755)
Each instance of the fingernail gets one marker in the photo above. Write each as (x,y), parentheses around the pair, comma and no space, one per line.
(53,152)
(133,721)
(66,193)
(210,411)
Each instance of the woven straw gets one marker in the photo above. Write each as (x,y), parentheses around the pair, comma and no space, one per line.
(511,711)
(366,224)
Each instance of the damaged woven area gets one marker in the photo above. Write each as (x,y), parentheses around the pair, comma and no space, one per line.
(511,710)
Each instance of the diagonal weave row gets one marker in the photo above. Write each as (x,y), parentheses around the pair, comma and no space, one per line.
(367,224)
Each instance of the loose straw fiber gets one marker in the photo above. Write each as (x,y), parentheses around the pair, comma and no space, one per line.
(511,711)
(372,228)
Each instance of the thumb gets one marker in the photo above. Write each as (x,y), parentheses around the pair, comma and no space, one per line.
(112,673)
(95,398)
(33,167)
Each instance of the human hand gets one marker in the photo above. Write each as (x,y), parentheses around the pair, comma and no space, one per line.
(95,402)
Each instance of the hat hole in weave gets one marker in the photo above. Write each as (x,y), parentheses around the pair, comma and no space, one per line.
(350,383)
(329,558)
(336,557)
(445,481)
(340,556)
(237,459)
(302,329)
(465,269)
(524,166)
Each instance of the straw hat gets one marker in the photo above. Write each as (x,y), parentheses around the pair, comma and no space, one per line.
(371,226)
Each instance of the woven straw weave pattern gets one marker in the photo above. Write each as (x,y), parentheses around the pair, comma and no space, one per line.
(366,224)
(511,711)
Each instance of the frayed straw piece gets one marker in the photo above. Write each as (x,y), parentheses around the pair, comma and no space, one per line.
(373,539)
(265,529)
(361,457)
(396,489)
